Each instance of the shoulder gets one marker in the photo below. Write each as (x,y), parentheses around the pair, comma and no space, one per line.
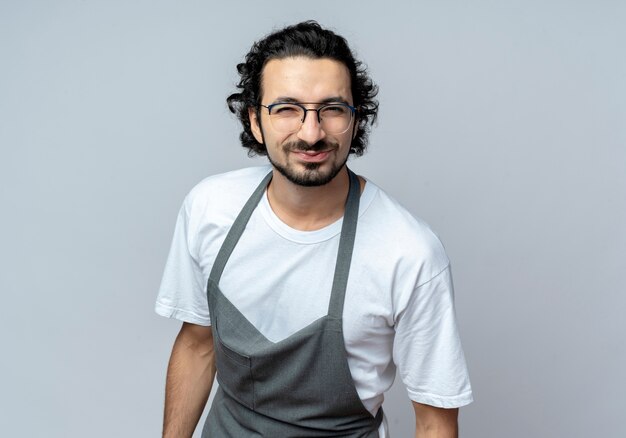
(226,184)
(224,189)
(412,245)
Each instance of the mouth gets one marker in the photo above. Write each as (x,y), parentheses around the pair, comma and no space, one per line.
(312,156)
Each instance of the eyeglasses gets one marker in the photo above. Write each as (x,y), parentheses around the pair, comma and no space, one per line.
(334,118)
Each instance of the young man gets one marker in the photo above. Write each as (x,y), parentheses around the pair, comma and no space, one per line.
(301,283)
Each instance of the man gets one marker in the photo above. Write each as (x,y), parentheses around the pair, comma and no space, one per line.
(303,284)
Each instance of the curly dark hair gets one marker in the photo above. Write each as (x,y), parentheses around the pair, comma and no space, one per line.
(307,39)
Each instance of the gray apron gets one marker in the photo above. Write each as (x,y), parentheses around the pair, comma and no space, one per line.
(300,386)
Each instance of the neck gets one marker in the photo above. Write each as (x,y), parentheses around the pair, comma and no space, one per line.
(308,208)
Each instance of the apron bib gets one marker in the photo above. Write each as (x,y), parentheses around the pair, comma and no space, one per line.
(300,386)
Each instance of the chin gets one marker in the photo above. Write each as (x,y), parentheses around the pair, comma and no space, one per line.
(313,174)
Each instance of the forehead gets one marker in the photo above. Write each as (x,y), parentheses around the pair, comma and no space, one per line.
(305,80)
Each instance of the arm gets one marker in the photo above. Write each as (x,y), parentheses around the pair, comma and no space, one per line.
(190,375)
(432,422)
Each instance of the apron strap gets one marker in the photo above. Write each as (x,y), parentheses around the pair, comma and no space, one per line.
(346,244)
(236,230)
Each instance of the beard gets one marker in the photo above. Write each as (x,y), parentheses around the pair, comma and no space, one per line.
(312,175)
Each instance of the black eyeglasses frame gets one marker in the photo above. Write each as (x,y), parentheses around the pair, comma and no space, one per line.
(352,109)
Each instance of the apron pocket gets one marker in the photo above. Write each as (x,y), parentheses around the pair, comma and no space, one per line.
(234,374)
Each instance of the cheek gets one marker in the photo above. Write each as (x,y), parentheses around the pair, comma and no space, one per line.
(285,139)
(346,139)
(276,142)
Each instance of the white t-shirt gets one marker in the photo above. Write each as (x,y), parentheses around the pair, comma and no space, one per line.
(399,302)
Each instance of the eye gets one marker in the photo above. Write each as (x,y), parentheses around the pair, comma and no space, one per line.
(335,110)
(286,110)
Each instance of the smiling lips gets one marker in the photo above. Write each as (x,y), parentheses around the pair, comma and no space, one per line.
(312,156)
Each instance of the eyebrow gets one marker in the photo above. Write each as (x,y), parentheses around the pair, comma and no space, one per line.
(333,99)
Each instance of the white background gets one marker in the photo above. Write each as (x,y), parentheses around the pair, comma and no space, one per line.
(502,124)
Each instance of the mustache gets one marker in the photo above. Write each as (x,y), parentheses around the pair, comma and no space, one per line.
(304,146)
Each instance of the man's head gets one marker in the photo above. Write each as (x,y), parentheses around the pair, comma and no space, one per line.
(307,40)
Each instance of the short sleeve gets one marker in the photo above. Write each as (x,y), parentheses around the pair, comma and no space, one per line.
(427,348)
(182,293)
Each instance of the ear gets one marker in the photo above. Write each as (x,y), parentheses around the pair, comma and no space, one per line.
(255,126)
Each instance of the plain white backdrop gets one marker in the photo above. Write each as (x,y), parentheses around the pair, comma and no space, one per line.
(502,124)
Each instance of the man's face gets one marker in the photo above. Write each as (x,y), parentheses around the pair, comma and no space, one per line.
(309,156)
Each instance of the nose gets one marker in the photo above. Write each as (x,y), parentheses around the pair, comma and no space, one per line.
(311,131)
